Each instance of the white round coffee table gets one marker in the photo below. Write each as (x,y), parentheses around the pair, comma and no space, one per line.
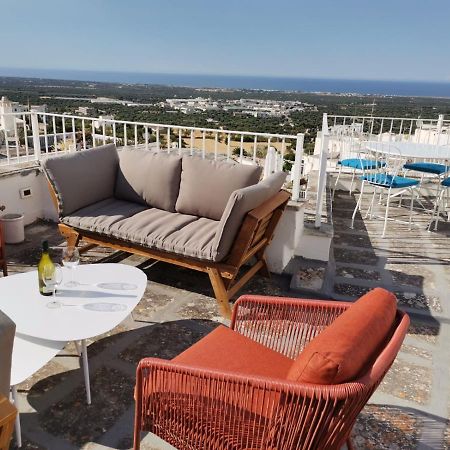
(29,355)
(107,294)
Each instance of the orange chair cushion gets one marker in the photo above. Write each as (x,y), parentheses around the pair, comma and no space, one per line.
(341,351)
(226,350)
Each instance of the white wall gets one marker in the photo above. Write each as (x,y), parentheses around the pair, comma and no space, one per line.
(286,238)
(39,205)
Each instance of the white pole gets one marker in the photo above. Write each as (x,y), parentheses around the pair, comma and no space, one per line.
(322,171)
(36,140)
(297,168)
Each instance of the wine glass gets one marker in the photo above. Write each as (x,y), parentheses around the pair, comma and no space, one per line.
(71,259)
(52,277)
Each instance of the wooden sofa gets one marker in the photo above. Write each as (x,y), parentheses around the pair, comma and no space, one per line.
(204,215)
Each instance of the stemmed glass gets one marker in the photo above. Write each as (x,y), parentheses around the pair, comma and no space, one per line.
(52,277)
(71,259)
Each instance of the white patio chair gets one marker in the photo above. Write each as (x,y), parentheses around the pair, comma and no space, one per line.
(387,180)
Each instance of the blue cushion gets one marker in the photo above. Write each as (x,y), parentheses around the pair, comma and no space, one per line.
(446,182)
(382,179)
(361,164)
(437,169)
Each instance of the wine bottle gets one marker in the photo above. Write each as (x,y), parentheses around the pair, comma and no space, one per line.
(44,262)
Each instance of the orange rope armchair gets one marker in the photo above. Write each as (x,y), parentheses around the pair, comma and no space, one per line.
(200,408)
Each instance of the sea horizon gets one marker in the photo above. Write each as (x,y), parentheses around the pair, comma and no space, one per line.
(286,84)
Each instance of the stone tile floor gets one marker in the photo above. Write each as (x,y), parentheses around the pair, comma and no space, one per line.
(409,410)
(413,402)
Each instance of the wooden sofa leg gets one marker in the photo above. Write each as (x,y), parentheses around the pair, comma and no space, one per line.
(5,268)
(220,292)
(72,237)
(265,272)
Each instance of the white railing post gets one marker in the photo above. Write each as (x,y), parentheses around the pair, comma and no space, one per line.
(322,171)
(36,139)
(269,162)
(297,168)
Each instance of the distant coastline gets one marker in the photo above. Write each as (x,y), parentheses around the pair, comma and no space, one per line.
(310,85)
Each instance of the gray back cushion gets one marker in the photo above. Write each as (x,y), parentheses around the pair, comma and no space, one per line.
(7,332)
(206,185)
(148,178)
(240,203)
(82,178)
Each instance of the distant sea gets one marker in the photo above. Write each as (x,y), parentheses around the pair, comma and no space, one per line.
(400,88)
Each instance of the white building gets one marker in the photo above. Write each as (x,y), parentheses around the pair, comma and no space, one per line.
(7,123)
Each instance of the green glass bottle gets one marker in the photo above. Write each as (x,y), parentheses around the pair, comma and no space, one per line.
(44,262)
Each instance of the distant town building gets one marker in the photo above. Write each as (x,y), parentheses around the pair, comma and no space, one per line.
(253,107)
(85,110)
(8,123)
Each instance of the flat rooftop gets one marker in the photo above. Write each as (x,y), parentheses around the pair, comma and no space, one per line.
(409,410)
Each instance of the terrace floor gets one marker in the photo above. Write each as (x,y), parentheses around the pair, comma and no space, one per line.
(409,410)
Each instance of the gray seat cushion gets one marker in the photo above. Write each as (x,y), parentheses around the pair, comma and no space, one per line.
(172,232)
(7,332)
(240,203)
(82,178)
(148,178)
(206,185)
(183,234)
(100,216)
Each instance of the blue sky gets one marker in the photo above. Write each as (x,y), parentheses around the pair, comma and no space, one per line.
(382,39)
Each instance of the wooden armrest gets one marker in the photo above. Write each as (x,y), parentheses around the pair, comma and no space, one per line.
(270,205)
(7,417)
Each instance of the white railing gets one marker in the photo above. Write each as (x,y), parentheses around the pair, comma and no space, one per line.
(30,136)
(342,137)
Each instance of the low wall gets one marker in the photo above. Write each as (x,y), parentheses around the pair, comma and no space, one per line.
(36,206)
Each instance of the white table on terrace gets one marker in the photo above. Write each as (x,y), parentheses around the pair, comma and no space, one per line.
(107,294)
(29,355)
(105,297)
(410,150)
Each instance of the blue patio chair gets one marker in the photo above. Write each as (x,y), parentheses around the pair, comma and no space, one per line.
(443,185)
(387,180)
(360,164)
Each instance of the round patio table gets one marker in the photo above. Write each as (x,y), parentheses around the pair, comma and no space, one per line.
(105,296)
(410,150)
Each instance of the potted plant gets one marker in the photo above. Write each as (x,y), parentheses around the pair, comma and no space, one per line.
(13,226)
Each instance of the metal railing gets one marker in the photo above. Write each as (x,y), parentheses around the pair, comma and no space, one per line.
(342,137)
(30,136)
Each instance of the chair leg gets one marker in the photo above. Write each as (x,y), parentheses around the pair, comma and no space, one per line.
(353,181)
(220,292)
(336,183)
(358,204)
(5,269)
(436,211)
(370,209)
(411,208)
(386,213)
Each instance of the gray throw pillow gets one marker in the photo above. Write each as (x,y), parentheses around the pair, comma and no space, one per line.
(82,178)
(206,185)
(241,202)
(148,178)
